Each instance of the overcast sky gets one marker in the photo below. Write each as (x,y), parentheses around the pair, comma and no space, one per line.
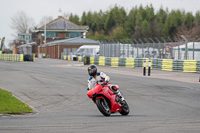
(36,9)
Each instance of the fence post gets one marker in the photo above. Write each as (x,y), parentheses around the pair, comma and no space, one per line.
(178,47)
(186,46)
(147,45)
(165,46)
(158,47)
(172,46)
(122,47)
(153,43)
(142,47)
(137,46)
(193,47)
(132,48)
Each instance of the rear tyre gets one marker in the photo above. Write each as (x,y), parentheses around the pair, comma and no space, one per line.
(125,109)
(103,107)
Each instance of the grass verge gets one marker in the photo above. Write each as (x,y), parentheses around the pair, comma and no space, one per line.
(11,105)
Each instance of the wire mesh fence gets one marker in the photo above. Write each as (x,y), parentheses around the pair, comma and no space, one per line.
(151,48)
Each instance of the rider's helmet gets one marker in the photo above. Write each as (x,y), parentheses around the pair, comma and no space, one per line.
(92,70)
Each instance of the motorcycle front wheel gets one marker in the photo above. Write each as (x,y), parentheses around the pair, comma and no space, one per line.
(103,107)
(125,109)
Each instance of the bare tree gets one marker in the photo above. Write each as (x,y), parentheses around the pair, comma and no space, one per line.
(22,23)
(45,20)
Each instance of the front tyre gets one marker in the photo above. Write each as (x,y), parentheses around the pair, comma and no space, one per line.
(103,107)
(125,109)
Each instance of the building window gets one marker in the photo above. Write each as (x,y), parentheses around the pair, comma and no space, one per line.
(73,34)
(22,37)
(50,34)
(56,34)
(67,35)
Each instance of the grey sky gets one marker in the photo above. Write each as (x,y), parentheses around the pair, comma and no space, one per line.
(36,9)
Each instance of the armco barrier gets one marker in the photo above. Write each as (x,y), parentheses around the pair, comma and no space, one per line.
(167,64)
(101,61)
(130,62)
(114,62)
(189,66)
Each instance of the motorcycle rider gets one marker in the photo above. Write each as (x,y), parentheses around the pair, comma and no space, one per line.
(101,76)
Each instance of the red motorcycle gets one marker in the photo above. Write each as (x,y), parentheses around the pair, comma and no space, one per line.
(106,100)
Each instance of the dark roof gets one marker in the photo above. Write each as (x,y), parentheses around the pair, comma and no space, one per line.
(63,24)
(76,40)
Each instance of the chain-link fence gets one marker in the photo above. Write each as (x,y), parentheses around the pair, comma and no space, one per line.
(151,48)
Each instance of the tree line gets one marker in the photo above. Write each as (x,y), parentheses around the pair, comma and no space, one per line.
(117,23)
(139,22)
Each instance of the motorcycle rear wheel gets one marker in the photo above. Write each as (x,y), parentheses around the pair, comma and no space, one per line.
(125,109)
(103,107)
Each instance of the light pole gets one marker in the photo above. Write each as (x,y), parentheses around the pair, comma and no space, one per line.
(45,32)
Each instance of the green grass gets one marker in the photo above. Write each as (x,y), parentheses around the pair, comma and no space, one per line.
(11,105)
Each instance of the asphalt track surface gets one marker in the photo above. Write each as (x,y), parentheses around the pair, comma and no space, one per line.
(166,102)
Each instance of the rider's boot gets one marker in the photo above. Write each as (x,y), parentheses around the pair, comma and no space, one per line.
(120,97)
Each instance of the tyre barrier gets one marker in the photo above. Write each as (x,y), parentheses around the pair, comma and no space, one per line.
(102,61)
(189,66)
(91,60)
(80,58)
(86,60)
(138,62)
(160,64)
(198,66)
(96,60)
(177,65)
(13,57)
(167,65)
(130,62)
(155,64)
(122,61)
(114,62)
(108,61)
(29,57)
